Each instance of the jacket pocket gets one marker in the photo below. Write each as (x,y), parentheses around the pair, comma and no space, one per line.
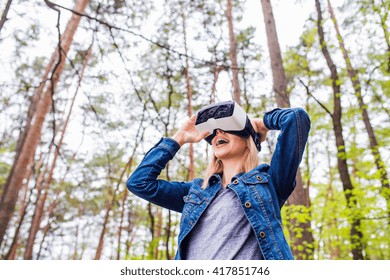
(258,184)
(192,201)
(193,197)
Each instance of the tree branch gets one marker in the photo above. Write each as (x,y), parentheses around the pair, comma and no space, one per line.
(319,103)
(163,46)
(5,13)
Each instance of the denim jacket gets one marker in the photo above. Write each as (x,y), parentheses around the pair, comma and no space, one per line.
(262,191)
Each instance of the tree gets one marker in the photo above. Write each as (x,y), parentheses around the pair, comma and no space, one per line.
(150,61)
(5,13)
(32,133)
(111,200)
(356,234)
(373,142)
(46,176)
(189,90)
(278,75)
(233,53)
(301,233)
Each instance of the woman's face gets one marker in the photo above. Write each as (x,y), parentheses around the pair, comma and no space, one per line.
(228,146)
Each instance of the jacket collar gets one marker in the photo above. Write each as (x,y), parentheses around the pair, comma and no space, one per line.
(217,177)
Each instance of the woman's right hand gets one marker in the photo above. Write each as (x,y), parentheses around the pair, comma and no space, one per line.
(187,133)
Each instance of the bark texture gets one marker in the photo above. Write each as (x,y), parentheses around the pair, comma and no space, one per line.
(32,132)
(233,53)
(356,234)
(302,240)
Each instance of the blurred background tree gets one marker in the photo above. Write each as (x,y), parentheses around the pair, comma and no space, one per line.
(88,87)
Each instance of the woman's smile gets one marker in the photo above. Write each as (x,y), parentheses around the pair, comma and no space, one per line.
(221,141)
(228,146)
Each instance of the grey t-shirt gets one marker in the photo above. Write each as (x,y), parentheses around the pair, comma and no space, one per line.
(223,232)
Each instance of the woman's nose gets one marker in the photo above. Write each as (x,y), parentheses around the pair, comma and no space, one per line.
(219,131)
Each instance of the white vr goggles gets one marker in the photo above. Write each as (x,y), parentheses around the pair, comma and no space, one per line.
(229,117)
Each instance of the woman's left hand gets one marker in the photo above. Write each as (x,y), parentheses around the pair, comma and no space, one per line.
(259,126)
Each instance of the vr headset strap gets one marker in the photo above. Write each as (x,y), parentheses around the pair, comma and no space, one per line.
(255,135)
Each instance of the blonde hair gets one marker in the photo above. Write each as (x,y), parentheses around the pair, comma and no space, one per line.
(249,161)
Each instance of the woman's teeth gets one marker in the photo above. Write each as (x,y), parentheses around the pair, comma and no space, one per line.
(221,141)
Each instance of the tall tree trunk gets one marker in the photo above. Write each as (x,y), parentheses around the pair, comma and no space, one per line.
(278,74)
(300,196)
(40,189)
(189,92)
(11,255)
(158,232)
(99,248)
(302,240)
(111,202)
(15,180)
(5,13)
(75,255)
(130,231)
(30,114)
(37,217)
(46,229)
(151,228)
(120,230)
(233,53)
(333,246)
(374,146)
(216,70)
(124,197)
(168,236)
(109,205)
(356,234)
(168,225)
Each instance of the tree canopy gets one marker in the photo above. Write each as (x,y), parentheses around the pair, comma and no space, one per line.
(88,87)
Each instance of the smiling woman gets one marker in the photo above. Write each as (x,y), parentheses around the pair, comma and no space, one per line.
(234,212)
(232,154)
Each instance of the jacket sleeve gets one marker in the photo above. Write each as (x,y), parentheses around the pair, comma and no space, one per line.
(294,126)
(143,181)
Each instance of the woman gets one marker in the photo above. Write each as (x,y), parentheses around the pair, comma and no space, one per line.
(234,212)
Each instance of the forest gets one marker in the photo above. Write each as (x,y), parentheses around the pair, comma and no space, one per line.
(88,87)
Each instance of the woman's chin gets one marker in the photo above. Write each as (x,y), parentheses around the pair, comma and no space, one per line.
(223,154)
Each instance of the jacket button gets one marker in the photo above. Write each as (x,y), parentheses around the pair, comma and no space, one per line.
(262,234)
(248,204)
(258,178)
(235,182)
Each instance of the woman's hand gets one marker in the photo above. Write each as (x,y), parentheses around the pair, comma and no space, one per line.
(188,133)
(259,126)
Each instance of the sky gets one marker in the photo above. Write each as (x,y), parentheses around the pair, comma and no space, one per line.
(290,16)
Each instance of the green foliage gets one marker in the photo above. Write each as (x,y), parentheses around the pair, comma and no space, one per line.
(134,91)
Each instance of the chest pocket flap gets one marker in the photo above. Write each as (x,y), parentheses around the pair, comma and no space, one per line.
(255,179)
(193,197)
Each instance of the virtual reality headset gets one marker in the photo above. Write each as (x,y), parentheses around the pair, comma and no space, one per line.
(229,117)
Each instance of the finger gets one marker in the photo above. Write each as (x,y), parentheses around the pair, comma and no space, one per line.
(204,134)
(192,119)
